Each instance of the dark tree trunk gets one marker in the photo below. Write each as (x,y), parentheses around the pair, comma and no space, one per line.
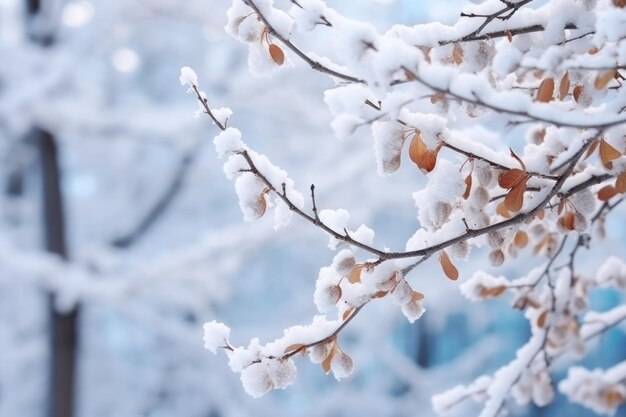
(62,325)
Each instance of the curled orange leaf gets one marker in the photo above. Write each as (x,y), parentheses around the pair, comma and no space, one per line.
(448,267)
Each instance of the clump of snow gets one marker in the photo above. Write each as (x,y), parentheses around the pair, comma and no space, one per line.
(388,142)
(252,197)
(601,391)
(307,14)
(215,335)
(612,273)
(188,77)
(256,379)
(327,291)
(228,142)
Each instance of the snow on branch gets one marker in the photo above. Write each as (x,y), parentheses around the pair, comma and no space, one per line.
(445,98)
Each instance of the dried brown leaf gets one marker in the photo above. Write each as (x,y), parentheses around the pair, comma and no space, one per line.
(417,296)
(296,347)
(448,267)
(592,148)
(426,51)
(514,200)
(603,79)
(509,35)
(568,220)
(355,275)
(545,91)
(521,239)
(417,148)
(468,186)
(577,92)
(259,206)
(608,153)
(326,363)
(429,160)
(612,396)
(512,177)
(497,291)
(541,320)
(277,54)
(348,313)
(457,54)
(496,257)
(503,211)
(607,193)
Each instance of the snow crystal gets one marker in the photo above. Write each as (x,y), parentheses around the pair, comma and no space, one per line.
(215,335)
